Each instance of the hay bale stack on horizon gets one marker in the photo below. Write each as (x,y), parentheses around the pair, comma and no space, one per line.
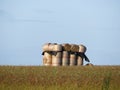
(64,54)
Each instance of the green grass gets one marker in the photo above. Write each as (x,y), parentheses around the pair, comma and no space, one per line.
(59,78)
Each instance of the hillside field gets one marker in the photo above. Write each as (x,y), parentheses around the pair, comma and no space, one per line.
(60,78)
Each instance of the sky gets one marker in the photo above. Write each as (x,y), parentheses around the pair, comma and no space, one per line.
(25,25)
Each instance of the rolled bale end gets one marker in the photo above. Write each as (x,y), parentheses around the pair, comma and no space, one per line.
(73,59)
(74,48)
(44,60)
(57,47)
(82,48)
(79,61)
(57,62)
(66,47)
(51,46)
(46,47)
(57,59)
(47,59)
(65,58)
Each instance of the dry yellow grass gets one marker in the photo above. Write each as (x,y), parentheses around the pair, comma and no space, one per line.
(59,78)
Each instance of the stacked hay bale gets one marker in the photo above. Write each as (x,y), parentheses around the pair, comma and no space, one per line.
(80,57)
(57,55)
(66,54)
(73,54)
(63,54)
(47,58)
(65,58)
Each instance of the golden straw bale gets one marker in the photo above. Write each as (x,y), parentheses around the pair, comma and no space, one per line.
(46,47)
(74,48)
(82,48)
(66,47)
(57,47)
(79,61)
(44,60)
(65,58)
(48,59)
(51,47)
(73,60)
(57,59)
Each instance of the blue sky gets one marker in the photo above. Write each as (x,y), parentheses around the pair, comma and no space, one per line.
(25,25)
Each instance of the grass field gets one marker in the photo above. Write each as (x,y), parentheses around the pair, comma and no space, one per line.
(59,78)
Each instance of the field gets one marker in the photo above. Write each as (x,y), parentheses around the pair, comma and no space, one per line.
(59,78)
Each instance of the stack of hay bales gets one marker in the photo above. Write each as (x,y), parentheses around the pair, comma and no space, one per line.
(63,54)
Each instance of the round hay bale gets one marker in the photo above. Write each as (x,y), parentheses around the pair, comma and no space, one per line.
(51,47)
(57,59)
(65,61)
(65,54)
(73,60)
(82,48)
(57,47)
(46,47)
(74,48)
(59,55)
(44,60)
(48,58)
(65,58)
(66,47)
(79,61)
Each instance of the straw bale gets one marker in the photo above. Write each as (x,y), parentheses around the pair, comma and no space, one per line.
(46,47)
(66,47)
(48,58)
(74,48)
(51,47)
(57,47)
(65,58)
(79,61)
(44,60)
(73,60)
(65,54)
(82,48)
(57,60)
